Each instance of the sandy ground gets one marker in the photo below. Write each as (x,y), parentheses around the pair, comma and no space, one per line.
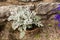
(48,32)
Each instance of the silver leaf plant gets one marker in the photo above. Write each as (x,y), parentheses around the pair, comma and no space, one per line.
(22,18)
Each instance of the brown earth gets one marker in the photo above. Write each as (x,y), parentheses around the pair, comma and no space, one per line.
(50,31)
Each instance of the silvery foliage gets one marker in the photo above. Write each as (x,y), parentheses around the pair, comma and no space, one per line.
(22,18)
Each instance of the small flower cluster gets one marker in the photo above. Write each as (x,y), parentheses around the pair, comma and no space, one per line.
(22,18)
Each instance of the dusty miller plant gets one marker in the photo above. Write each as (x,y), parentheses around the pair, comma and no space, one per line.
(22,18)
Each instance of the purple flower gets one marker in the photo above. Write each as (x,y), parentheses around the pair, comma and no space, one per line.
(57,17)
(59,25)
(58,8)
(59,5)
